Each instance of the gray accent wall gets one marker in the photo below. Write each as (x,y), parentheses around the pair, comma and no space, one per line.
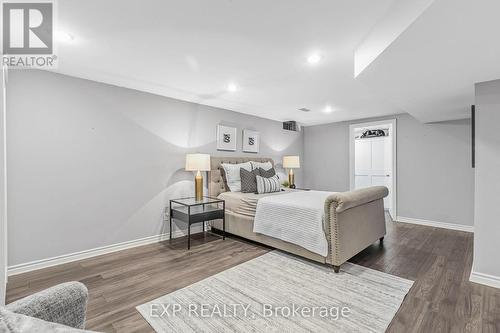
(92,165)
(487,213)
(434,174)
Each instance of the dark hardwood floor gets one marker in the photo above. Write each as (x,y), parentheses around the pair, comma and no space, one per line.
(438,260)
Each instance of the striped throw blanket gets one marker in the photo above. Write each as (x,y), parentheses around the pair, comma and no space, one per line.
(296,217)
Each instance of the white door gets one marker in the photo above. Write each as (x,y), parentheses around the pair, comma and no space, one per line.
(373,164)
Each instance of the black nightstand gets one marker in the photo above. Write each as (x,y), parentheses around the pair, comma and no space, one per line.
(193,211)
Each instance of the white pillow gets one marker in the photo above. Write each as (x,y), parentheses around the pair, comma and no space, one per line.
(282,177)
(233,174)
(268,185)
(264,165)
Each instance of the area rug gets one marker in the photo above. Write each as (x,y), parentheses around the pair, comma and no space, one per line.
(278,292)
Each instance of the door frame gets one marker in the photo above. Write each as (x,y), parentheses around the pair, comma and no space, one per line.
(393,123)
(3,184)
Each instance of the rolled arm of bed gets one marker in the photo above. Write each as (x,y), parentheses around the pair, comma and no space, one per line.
(355,220)
(350,199)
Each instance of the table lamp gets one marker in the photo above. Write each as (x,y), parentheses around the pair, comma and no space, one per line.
(198,162)
(291,162)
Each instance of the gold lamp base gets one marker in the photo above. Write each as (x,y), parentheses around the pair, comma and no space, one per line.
(291,179)
(198,186)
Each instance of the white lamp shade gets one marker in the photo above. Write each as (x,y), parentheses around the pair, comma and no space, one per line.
(197,162)
(291,162)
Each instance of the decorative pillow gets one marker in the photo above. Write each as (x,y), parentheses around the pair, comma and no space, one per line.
(249,180)
(264,165)
(268,185)
(267,173)
(232,174)
(283,178)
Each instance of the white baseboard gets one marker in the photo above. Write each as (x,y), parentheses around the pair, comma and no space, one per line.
(65,258)
(452,226)
(486,279)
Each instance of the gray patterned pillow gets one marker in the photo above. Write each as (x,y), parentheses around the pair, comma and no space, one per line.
(248,180)
(267,173)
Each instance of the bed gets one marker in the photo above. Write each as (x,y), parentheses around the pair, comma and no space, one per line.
(351,221)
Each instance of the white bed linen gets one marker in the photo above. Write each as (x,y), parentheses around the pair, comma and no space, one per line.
(243,203)
(295,217)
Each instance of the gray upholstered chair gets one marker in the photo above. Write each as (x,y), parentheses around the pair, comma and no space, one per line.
(61,308)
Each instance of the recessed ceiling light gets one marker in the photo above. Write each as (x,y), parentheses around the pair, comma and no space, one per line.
(314,58)
(232,87)
(63,36)
(328,109)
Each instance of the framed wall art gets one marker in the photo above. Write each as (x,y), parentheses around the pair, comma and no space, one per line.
(250,141)
(226,138)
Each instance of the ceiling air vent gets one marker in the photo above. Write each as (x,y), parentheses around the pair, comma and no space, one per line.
(290,126)
(305,110)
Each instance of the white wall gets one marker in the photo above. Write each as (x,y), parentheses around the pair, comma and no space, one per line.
(3,197)
(434,174)
(93,165)
(486,265)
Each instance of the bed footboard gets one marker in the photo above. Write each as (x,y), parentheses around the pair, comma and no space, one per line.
(355,220)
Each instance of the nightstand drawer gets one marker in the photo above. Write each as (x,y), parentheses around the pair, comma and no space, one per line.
(198,213)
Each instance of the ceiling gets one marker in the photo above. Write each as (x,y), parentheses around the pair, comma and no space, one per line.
(430,70)
(193,49)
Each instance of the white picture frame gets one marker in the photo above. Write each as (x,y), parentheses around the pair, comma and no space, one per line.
(226,138)
(251,141)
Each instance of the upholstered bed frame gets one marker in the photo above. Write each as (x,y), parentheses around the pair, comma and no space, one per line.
(353,220)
